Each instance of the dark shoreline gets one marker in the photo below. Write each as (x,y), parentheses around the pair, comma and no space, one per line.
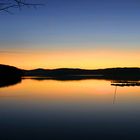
(65,73)
(10,75)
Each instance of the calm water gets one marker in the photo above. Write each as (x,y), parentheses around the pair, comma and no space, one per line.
(86,109)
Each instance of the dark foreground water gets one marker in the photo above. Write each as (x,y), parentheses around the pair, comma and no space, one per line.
(86,109)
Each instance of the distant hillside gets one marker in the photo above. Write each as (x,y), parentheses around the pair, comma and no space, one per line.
(10,75)
(10,72)
(109,73)
(57,72)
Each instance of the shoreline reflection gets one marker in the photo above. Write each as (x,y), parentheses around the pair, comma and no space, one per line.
(9,82)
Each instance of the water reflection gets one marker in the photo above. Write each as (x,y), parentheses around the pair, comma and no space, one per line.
(83,109)
(9,82)
(65,78)
(123,83)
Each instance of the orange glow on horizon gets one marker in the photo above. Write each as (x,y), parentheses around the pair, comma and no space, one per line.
(87,59)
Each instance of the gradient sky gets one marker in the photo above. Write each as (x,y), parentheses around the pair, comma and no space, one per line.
(72,33)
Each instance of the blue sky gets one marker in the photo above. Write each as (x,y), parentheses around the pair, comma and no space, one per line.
(72,33)
(73,22)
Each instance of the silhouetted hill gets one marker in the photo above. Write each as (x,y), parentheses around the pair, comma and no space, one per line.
(65,73)
(9,75)
(120,73)
(9,72)
(58,72)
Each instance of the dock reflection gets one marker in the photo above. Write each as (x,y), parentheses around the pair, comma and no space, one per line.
(123,83)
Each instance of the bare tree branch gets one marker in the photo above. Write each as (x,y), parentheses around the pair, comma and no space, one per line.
(7,6)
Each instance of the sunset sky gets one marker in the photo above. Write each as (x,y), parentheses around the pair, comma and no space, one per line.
(72,33)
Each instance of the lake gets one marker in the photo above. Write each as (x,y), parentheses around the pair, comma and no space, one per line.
(77,109)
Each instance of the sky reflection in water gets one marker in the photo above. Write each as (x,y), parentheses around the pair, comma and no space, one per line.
(76,108)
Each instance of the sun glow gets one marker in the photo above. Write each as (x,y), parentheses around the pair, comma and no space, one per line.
(87,59)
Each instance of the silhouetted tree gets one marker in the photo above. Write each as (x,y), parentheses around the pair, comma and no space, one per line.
(7,5)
